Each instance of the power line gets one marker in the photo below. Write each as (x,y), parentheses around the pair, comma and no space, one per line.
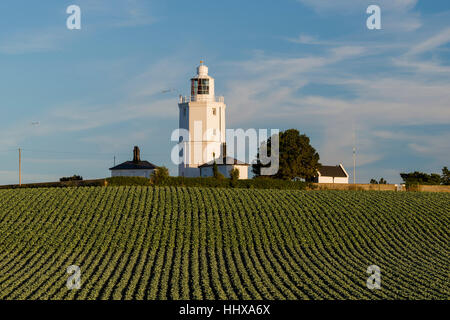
(8,150)
(82,153)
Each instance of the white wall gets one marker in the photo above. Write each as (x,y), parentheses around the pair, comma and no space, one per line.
(132,173)
(243,172)
(323,179)
(341,180)
(225,170)
(188,172)
(206,172)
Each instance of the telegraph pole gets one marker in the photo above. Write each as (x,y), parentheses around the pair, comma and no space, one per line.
(354,153)
(114,161)
(20,167)
(354,165)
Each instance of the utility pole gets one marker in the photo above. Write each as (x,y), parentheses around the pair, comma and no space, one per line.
(20,167)
(354,165)
(114,161)
(354,153)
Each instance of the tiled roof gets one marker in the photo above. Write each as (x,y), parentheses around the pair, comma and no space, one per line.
(132,165)
(332,171)
(224,161)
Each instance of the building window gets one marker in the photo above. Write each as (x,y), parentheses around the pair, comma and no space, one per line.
(214,132)
(214,111)
(203,86)
(184,112)
(200,86)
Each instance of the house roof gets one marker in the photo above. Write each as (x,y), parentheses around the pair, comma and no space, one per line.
(134,165)
(223,162)
(332,171)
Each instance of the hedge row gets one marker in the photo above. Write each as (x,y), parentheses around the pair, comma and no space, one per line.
(128,181)
(63,184)
(259,183)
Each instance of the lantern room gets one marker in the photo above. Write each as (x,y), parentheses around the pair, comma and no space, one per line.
(202,85)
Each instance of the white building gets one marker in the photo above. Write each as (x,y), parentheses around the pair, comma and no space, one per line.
(332,174)
(228,164)
(203,116)
(135,168)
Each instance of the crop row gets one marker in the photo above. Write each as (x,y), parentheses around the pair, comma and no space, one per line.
(207,243)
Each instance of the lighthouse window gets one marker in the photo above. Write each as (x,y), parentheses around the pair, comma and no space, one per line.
(194,87)
(200,86)
(203,86)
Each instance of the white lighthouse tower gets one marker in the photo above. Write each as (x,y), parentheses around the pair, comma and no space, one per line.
(203,116)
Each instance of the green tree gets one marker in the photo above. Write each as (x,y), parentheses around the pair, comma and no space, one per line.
(445,178)
(160,175)
(414,178)
(72,178)
(382,181)
(298,159)
(216,172)
(234,174)
(373,181)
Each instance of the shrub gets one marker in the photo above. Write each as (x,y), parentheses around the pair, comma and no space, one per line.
(160,175)
(72,178)
(420,178)
(382,181)
(216,173)
(445,178)
(234,174)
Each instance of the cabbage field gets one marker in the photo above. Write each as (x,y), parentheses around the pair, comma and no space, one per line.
(212,243)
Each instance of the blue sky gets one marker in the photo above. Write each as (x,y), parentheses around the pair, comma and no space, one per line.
(306,64)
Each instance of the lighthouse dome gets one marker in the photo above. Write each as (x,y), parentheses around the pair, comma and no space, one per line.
(202,70)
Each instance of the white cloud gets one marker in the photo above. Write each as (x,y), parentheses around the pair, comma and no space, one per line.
(421,66)
(142,99)
(397,15)
(117,140)
(102,13)
(354,5)
(120,13)
(31,41)
(72,161)
(12,177)
(431,43)
(433,145)
(269,89)
(308,39)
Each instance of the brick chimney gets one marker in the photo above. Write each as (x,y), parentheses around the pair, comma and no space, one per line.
(136,154)
(224,150)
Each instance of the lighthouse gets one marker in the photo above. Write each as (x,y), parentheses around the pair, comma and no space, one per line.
(202,114)
(202,117)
